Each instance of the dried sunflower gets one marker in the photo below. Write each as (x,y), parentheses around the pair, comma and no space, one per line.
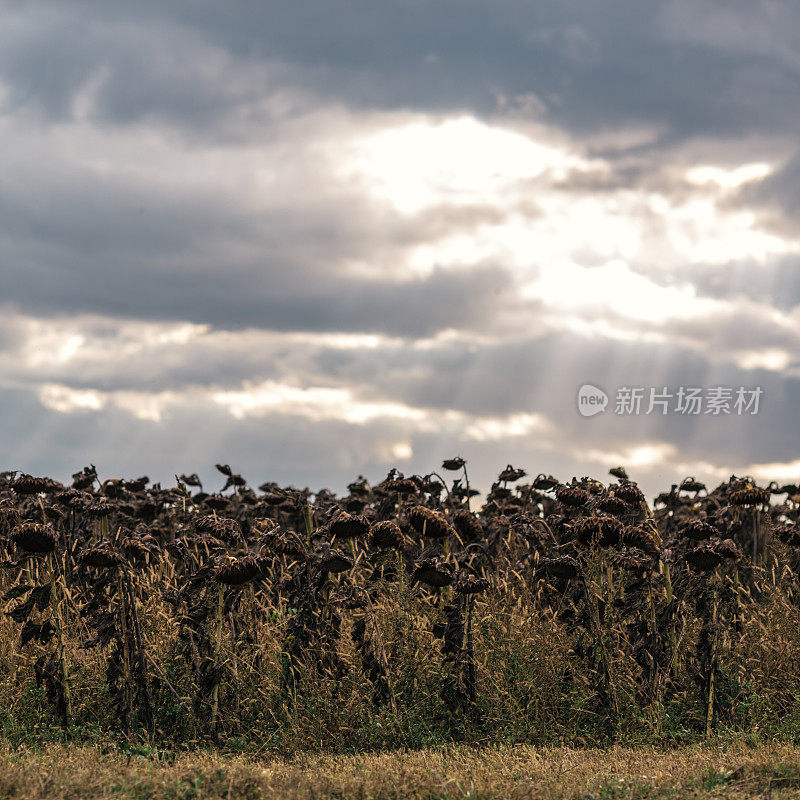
(429,523)
(468,526)
(385,535)
(104,556)
(563,567)
(434,572)
(28,484)
(349,526)
(698,530)
(33,537)
(237,571)
(750,496)
(629,493)
(466,583)
(572,497)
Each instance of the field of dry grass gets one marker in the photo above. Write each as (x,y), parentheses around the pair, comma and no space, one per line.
(57,772)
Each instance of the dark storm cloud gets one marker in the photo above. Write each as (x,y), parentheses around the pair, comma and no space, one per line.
(76,240)
(590,64)
(109,113)
(66,60)
(10,335)
(273,298)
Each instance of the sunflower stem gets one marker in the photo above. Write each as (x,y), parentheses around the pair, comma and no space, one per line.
(217,649)
(712,670)
(126,654)
(608,668)
(58,623)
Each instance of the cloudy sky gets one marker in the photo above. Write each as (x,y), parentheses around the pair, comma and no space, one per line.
(321,239)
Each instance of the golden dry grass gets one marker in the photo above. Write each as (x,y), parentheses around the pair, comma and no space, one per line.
(60,772)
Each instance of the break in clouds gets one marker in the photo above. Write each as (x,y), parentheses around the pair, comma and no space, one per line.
(325,240)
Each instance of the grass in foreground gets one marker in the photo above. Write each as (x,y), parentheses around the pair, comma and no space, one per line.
(56,772)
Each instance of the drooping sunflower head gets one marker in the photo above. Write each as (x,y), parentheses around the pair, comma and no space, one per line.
(35,538)
(427,522)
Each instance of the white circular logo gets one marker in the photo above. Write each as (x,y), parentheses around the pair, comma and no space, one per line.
(591,400)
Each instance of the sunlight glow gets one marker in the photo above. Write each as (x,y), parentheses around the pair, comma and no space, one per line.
(771,359)
(728,178)
(314,402)
(148,406)
(558,219)
(616,289)
(151,407)
(643,455)
(402,451)
(778,471)
(495,429)
(703,232)
(66,400)
(457,161)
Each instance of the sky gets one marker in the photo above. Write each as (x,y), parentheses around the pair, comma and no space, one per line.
(322,239)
